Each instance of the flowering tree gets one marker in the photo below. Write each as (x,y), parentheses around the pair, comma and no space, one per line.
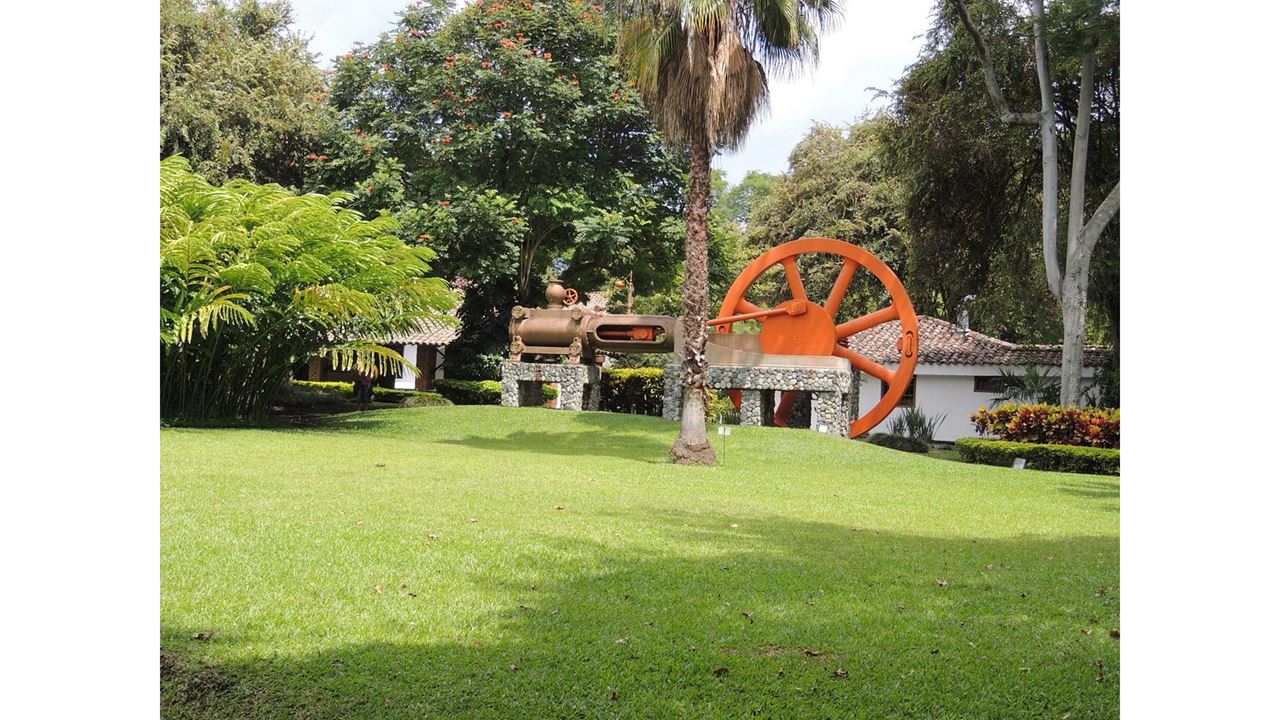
(505,138)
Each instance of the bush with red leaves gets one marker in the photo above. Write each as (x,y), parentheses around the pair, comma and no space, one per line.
(1051,424)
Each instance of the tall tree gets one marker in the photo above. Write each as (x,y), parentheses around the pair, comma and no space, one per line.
(738,200)
(504,137)
(239,94)
(1082,26)
(700,66)
(836,185)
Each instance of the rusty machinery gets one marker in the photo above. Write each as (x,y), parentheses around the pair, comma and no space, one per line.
(799,332)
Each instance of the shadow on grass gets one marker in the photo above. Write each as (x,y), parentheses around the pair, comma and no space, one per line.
(776,618)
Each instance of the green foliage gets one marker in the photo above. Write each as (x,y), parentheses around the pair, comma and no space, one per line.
(972,183)
(239,95)
(1094,427)
(898,441)
(912,422)
(464,363)
(1030,386)
(837,186)
(504,137)
(255,280)
(310,392)
(738,202)
(1063,458)
(720,408)
(632,390)
(472,392)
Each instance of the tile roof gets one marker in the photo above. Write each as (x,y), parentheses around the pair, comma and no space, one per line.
(944,343)
(428,332)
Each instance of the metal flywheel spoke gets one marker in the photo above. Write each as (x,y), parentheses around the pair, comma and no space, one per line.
(866,365)
(793,278)
(832,305)
(870,320)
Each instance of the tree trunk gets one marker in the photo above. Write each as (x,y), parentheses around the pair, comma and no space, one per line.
(1075,302)
(691,447)
(1071,289)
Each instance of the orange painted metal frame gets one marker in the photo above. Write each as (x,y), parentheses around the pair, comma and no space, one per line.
(801,326)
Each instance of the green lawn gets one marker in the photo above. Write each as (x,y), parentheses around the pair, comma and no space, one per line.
(489,562)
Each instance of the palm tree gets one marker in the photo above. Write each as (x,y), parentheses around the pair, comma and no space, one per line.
(700,67)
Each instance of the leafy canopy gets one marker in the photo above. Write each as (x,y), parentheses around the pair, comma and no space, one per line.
(505,138)
(239,95)
(255,280)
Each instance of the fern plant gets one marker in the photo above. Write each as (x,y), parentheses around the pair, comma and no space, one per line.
(255,280)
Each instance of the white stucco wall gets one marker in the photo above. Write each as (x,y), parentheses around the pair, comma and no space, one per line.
(942,389)
(406,380)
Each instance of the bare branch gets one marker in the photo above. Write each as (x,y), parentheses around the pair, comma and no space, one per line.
(1106,210)
(989,72)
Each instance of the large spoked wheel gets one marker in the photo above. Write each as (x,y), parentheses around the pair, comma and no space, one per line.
(801,326)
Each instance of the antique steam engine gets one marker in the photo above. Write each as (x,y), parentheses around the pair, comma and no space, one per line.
(800,346)
(566,328)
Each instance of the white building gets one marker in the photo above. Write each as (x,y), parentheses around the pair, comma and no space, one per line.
(958,370)
(424,348)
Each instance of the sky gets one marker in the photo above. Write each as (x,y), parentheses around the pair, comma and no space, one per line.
(874,43)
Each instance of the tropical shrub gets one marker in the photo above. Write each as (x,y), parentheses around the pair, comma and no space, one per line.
(913,423)
(1092,427)
(1031,386)
(255,280)
(899,442)
(1064,458)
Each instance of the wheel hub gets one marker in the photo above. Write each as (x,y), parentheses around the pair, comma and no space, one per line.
(803,329)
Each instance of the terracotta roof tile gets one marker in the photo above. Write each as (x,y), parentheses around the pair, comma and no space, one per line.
(944,343)
(428,332)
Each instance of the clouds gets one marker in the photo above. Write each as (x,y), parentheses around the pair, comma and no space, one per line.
(875,42)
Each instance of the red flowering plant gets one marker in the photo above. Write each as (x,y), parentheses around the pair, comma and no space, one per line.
(1051,425)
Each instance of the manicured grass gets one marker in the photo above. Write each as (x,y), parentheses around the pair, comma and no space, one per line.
(498,563)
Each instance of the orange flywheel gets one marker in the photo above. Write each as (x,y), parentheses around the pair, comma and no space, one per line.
(802,326)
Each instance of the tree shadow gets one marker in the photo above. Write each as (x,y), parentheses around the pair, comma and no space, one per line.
(767,616)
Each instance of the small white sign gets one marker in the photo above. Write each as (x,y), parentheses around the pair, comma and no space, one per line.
(1019,463)
(822,428)
(724,430)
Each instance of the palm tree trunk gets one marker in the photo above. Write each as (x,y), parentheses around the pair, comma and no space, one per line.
(691,447)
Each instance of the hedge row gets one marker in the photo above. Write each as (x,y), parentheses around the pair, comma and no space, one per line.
(307,392)
(637,391)
(899,442)
(1064,458)
(1052,424)
(480,392)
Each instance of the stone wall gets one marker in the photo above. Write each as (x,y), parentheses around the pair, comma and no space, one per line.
(833,391)
(579,384)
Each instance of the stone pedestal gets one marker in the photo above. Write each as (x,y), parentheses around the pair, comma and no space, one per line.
(579,384)
(834,392)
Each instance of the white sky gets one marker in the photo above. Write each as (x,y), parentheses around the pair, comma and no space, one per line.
(870,49)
